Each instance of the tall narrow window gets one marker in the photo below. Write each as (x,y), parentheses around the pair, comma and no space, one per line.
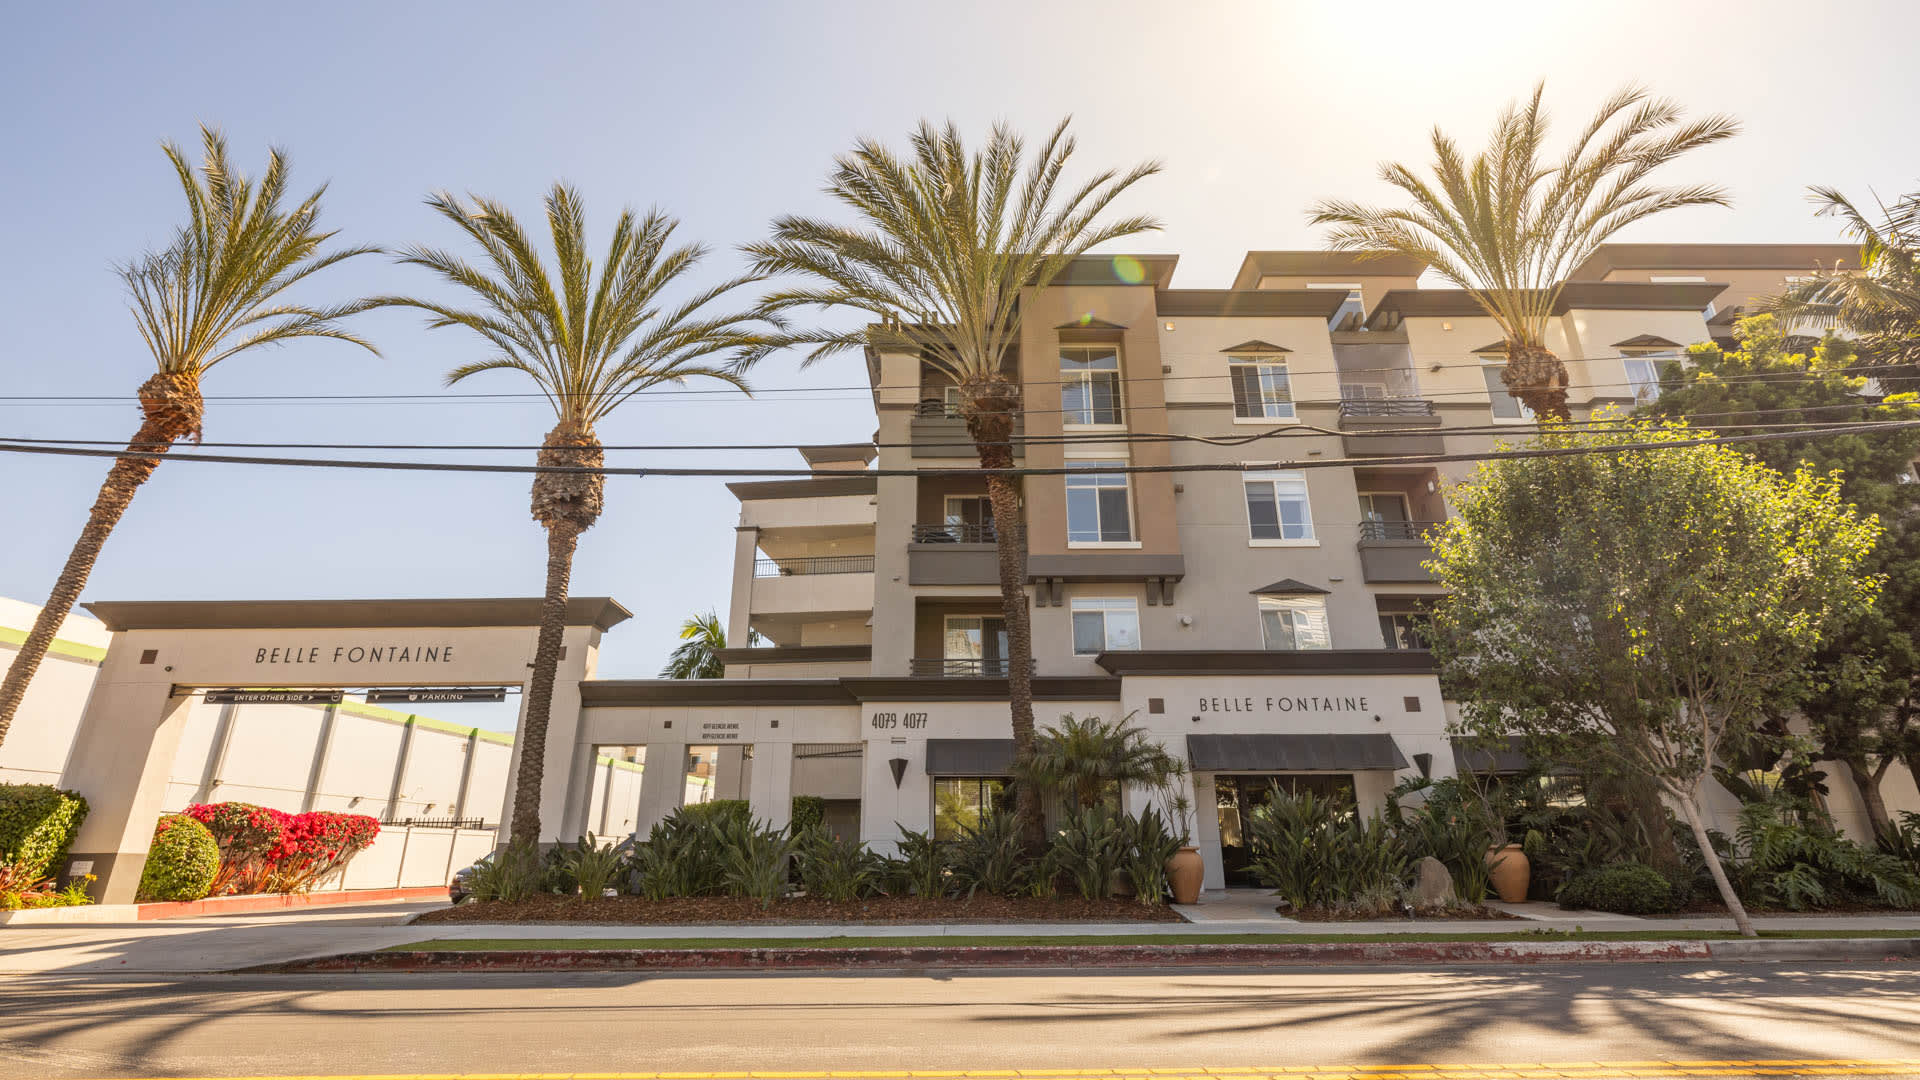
(1097,510)
(1104,624)
(1260,388)
(1090,384)
(1643,379)
(1505,405)
(1277,506)
(1295,622)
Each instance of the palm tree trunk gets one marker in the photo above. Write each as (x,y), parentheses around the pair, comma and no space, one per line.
(567,503)
(172,406)
(989,409)
(563,536)
(1691,811)
(1538,378)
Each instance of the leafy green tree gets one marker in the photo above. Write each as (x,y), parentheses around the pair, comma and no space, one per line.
(1509,225)
(1648,605)
(1863,698)
(588,345)
(215,292)
(698,654)
(948,242)
(1880,301)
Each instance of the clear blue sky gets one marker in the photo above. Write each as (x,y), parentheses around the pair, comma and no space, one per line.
(727,114)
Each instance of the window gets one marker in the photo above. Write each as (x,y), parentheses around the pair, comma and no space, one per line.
(1090,384)
(951,398)
(1383,506)
(1643,379)
(1505,405)
(1295,622)
(1352,311)
(1104,624)
(1403,630)
(969,510)
(974,645)
(961,803)
(1277,507)
(1260,387)
(1097,510)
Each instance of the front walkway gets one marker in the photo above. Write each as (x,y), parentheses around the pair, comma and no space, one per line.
(226,943)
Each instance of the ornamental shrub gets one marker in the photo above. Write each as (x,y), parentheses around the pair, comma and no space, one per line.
(808,811)
(268,850)
(182,862)
(720,811)
(37,826)
(1626,888)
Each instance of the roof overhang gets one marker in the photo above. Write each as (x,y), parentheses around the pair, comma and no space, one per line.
(602,612)
(1248,303)
(1400,304)
(1610,257)
(1269,662)
(1333,264)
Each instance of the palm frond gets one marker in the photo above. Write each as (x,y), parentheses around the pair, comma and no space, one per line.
(213,292)
(588,336)
(944,241)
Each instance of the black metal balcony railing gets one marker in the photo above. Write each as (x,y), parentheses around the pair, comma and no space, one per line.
(824,564)
(1375,529)
(954,533)
(991,667)
(1385,406)
(936,407)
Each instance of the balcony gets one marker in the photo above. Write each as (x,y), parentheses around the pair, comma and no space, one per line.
(1389,427)
(937,431)
(989,667)
(953,554)
(813,587)
(1393,552)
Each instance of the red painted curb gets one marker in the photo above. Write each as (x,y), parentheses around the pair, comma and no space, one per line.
(1054,956)
(242,905)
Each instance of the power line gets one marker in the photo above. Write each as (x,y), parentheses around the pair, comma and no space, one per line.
(1196,467)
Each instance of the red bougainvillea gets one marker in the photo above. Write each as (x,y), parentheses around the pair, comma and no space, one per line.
(268,850)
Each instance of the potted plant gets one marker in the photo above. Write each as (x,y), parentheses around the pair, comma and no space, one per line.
(1508,868)
(1184,868)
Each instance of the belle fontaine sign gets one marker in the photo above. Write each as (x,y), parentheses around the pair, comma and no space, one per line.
(1296,703)
(402,653)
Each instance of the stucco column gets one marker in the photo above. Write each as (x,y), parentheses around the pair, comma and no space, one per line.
(662,784)
(746,548)
(562,784)
(770,795)
(121,756)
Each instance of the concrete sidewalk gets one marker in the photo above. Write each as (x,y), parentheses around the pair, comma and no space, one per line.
(228,943)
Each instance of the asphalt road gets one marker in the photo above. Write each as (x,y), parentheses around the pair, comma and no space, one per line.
(229,1025)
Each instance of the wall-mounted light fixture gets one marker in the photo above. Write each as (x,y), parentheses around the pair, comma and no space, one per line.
(899,767)
(1424,762)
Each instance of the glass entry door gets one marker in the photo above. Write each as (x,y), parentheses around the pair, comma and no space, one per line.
(1239,797)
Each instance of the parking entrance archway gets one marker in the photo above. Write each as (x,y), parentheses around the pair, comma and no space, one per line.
(166,654)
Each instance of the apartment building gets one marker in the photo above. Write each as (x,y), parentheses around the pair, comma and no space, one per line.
(1255,607)
(1260,620)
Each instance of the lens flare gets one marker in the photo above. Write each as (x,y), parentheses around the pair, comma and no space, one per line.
(1128,269)
(1086,318)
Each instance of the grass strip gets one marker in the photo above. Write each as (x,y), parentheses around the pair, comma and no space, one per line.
(1022,940)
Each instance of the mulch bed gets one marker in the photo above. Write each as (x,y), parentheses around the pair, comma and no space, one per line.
(1449,915)
(632,910)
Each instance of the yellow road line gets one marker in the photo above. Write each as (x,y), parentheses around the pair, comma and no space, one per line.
(1561,1070)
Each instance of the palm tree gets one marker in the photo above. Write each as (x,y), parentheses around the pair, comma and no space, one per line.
(589,346)
(1880,302)
(212,293)
(698,655)
(1509,226)
(1088,760)
(946,242)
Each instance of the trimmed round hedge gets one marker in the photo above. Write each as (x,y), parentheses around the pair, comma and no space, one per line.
(182,862)
(1627,888)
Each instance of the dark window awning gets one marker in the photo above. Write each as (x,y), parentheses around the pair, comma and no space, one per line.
(1293,753)
(969,757)
(1491,758)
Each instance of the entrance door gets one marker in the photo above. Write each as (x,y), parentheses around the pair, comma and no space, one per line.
(1239,797)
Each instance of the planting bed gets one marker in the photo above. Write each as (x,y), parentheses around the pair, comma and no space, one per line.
(633,910)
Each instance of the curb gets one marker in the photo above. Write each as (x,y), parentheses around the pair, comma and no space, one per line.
(1112,956)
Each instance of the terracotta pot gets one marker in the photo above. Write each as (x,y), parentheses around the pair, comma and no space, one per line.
(1511,872)
(1184,870)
